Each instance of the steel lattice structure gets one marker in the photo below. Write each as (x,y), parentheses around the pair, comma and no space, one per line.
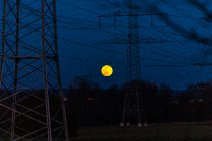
(133,106)
(31,101)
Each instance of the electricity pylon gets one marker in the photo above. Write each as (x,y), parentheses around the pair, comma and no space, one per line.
(31,100)
(133,107)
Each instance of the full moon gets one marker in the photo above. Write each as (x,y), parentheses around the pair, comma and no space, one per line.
(107,70)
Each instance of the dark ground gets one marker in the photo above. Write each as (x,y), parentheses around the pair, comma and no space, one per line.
(156,132)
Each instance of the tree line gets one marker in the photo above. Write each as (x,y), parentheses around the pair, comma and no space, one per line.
(90,105)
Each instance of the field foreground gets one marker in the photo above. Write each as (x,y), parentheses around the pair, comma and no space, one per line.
(154,132)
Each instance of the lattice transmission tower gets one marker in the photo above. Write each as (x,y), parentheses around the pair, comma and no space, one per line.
(133,110)
(133,107)
(31,100)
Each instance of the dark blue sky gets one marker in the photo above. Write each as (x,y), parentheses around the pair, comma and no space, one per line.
(80,55)
(83,50)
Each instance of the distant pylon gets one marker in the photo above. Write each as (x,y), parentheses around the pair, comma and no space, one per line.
(133,107)
(31,100)
(133,110)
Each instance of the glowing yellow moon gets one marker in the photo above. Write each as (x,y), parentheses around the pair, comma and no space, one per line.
(107,70)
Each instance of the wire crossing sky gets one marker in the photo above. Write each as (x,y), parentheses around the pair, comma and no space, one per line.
(175,47)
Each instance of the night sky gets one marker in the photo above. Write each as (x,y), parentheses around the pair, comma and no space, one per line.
(85,48)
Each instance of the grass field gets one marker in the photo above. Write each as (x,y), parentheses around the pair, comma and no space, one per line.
(156,132)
